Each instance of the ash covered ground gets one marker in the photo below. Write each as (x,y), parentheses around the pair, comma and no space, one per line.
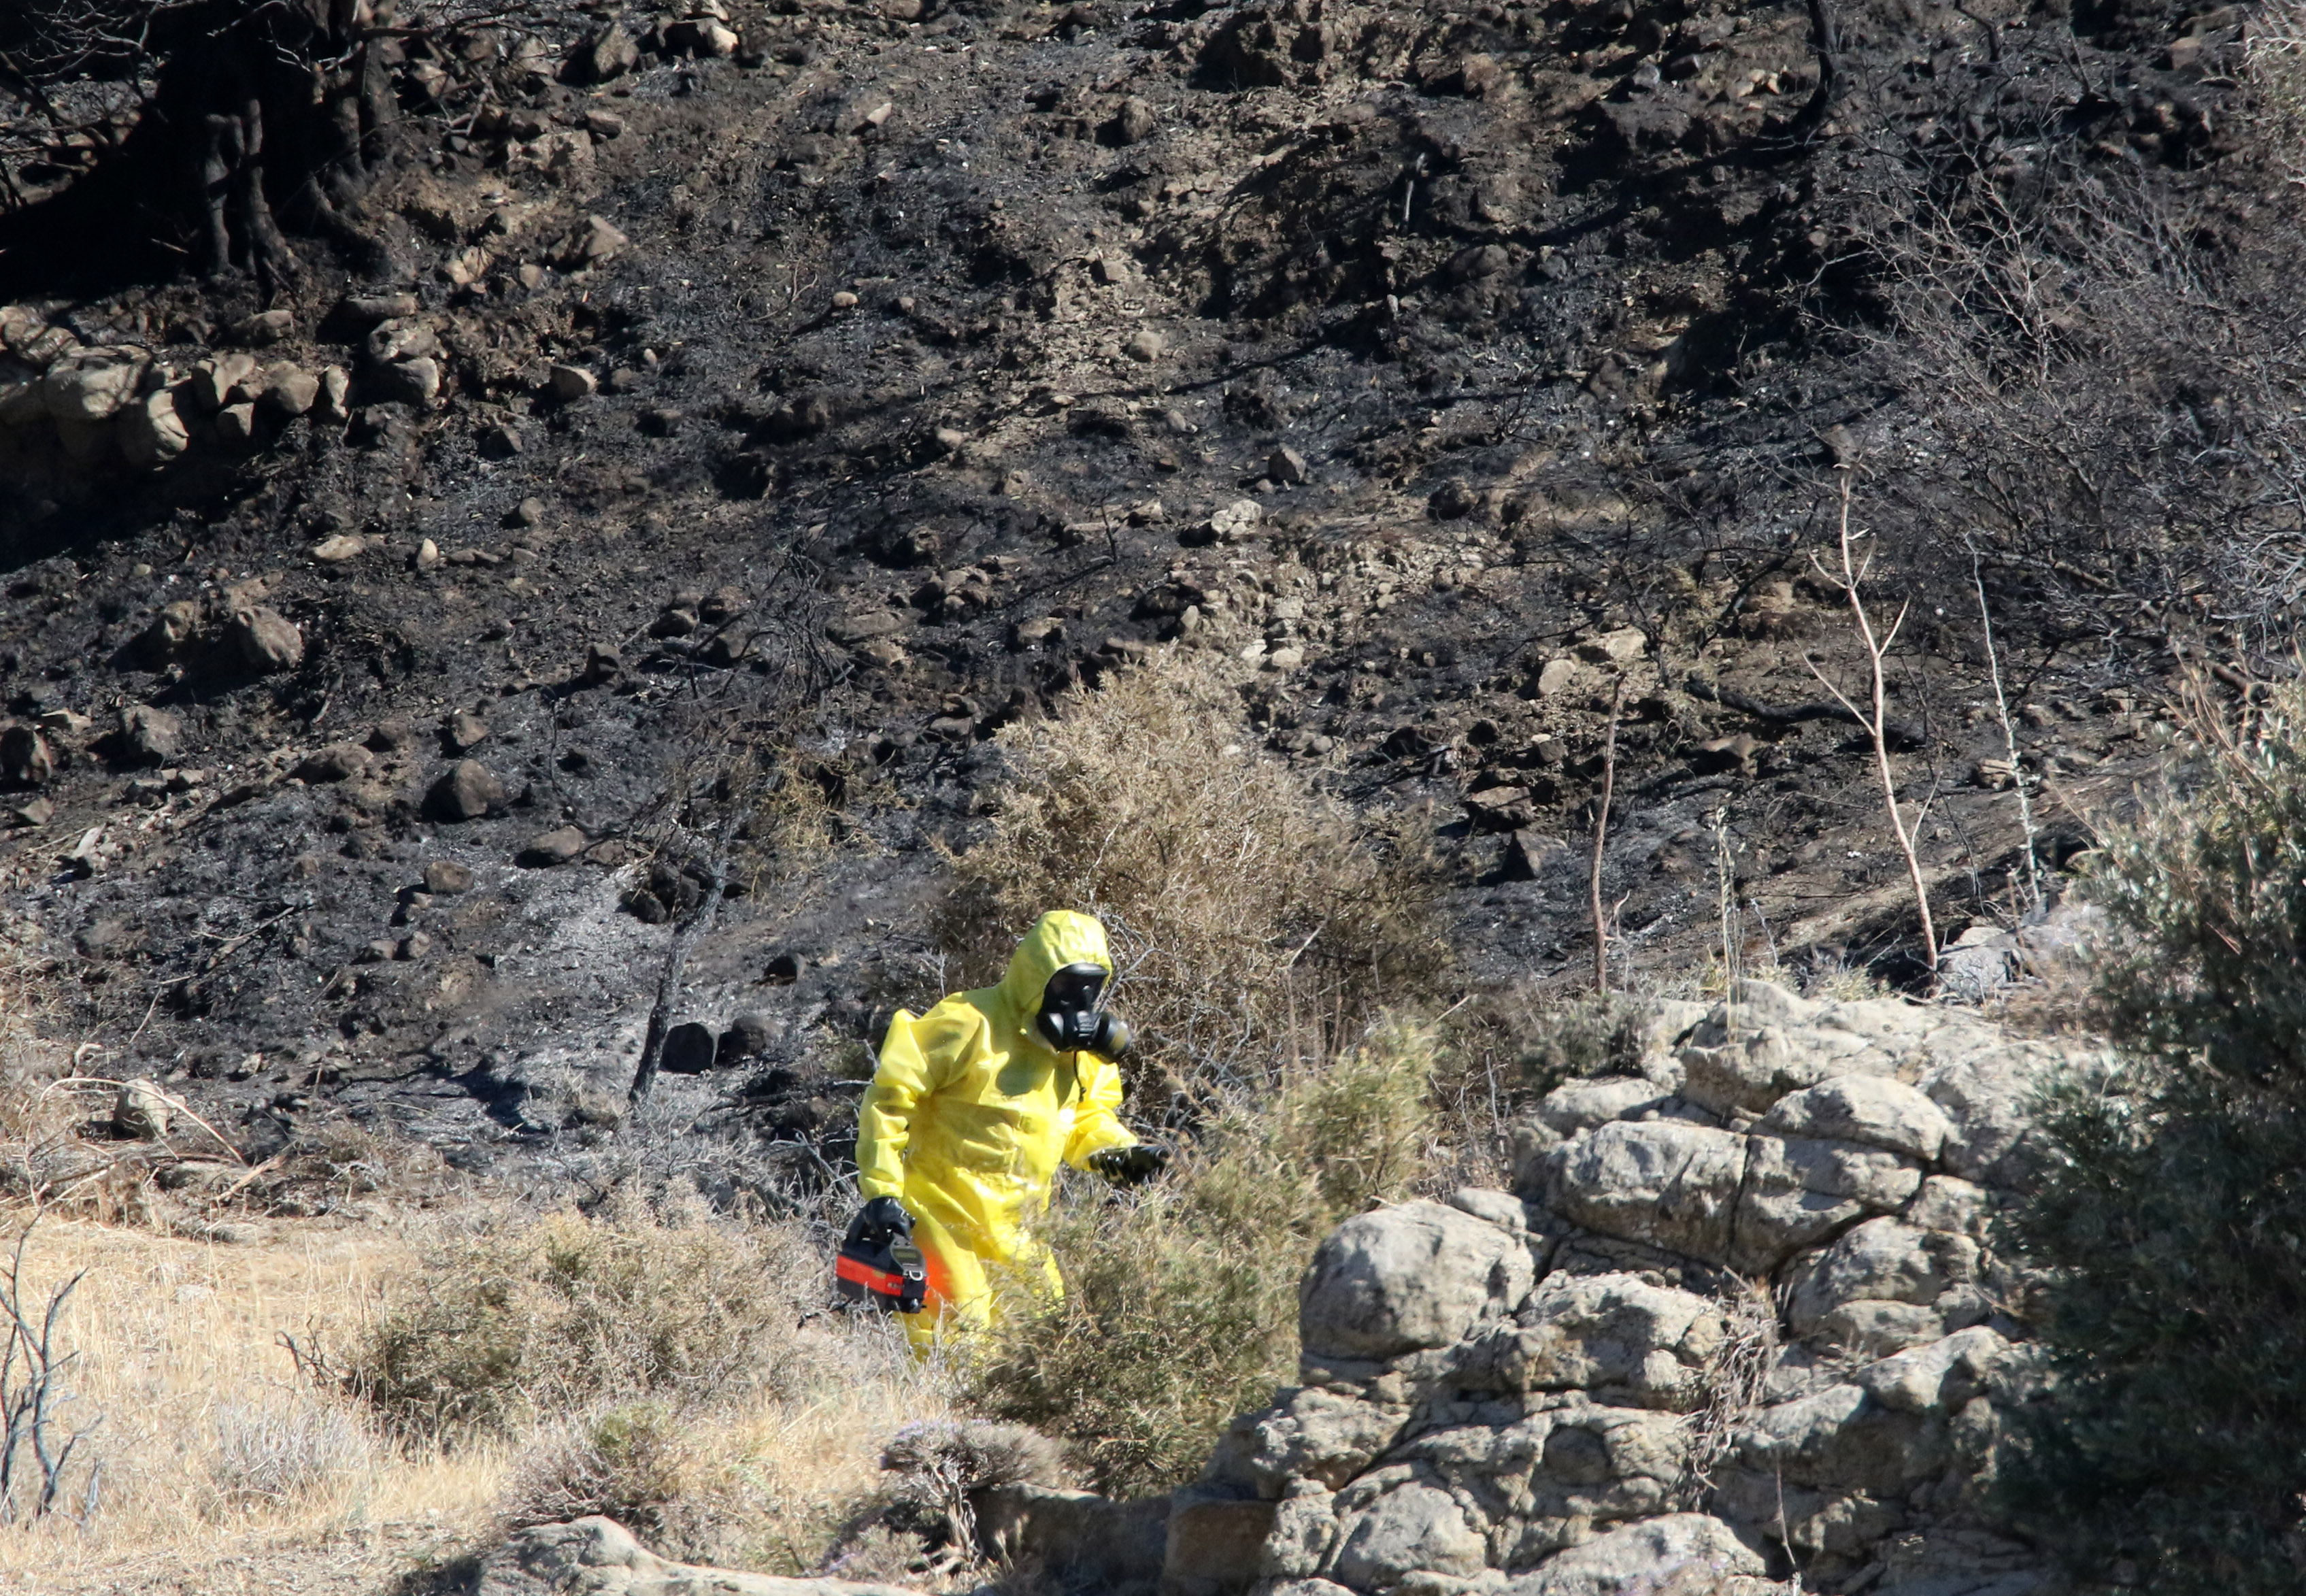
(874,376)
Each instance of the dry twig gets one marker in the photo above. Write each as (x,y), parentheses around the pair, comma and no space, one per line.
(1874,718)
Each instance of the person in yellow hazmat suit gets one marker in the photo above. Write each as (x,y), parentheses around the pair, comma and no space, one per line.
(973,1106)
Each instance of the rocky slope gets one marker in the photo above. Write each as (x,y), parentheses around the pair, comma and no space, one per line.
(866,377)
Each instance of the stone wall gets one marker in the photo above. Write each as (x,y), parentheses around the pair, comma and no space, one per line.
(1738,1317)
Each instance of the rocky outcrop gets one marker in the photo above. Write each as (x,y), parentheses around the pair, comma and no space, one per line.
(597,1557)
(1738,1317)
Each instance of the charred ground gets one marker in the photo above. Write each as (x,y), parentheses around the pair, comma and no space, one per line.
(871,377)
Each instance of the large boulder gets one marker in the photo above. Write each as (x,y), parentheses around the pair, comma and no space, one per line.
(1618,1336)
(1886,1113)
(1642,1558)
(1664,1183)
(1402,1278)
(92,385)
(1413,1529)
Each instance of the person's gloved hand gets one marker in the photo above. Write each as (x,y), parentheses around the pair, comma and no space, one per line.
(1132,1165)
(883,1217)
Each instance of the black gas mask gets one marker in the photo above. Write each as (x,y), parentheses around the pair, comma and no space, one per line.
(1070,1020)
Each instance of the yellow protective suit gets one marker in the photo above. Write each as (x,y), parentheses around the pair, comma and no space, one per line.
(966,1119)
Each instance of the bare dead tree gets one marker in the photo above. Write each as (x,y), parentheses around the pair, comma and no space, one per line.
(226,116)
(690,932)
(1601,839)
(1850,579)
(1826,44)
(35,1447)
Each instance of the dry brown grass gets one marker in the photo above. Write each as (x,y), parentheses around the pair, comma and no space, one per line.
(1250,912)
(213,1452)
(225,1471)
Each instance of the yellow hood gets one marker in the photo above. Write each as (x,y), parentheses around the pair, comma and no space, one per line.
(1058,938)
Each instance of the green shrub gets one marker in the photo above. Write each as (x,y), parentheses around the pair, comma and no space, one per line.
(1180,1306)
(562,1313)
(2170,1217)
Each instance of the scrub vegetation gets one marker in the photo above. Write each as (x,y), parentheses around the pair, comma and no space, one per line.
(2169,1210)
(1253,914)
(1260,928)
(1182,1299)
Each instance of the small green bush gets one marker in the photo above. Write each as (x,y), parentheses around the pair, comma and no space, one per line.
(1180,1305)
(561,1314)
(2170,1217)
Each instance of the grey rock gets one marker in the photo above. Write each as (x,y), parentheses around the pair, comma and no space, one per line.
(287,388)
(445,877)
(468,790)
(90,385)
(598,1556)
(593,241)
(370,309)
(1873,1289)
(1501,1209)
(265,641)
(151,735)
(401,338)
(854,630)
(556,846)
(1843,1439)
(608,54)
(464,731)
(748,1036)
(339,762)
(1416,1275)
(1313,1434)
(151,433)
(235,426)
(1626,1340)
(407,382)
(264,326)
(569,383)
(218,381)
(1941,1377)
(1869,1108)
(1582,1104)
(25,760)
(1642,1556)
(1751,1068)
(1413,1529)
(1667,1184)
(1801,1191)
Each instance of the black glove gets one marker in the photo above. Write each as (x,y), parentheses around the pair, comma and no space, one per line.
(1132,1165)
(882,1218)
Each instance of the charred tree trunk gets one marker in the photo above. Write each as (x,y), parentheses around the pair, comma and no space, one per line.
(1826,44)
(265,118)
